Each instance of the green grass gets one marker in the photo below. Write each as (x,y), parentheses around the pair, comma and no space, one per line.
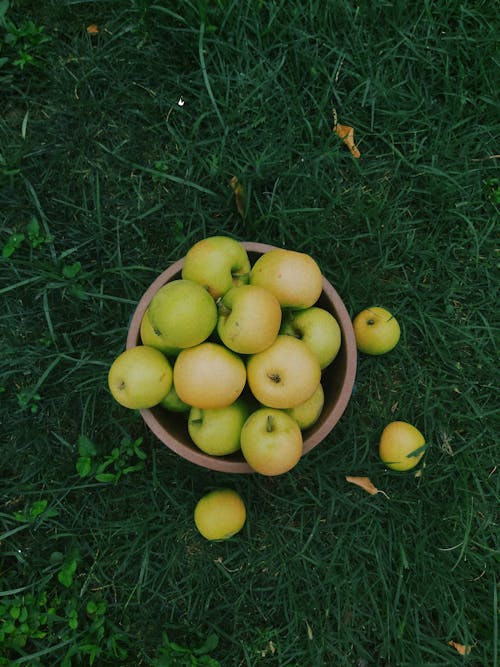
(121,180)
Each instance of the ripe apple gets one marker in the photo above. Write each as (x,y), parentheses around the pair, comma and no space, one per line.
(293,277)
(209,376)
(401,446)
(306,414)
(217,431)
(173,403)
(220,514)
(249,319)
(140,377)
(319,330)
(153,337)
(218,263)
(271,441)
(376,330)
(284,375)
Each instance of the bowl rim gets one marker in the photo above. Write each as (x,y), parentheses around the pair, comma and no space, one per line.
(224,464)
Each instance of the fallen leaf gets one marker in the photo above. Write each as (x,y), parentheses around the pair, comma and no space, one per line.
(463,650)
(92,29)
(366,484)
(239,195)
(346,133)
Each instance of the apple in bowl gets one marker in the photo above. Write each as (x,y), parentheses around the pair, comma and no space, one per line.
(337,379)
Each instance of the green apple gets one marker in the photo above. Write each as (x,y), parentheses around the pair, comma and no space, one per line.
(182,314)
(293,277)
(271,441)
(217,431)
(249,319)
(284,375)
(319,330)
(209,376)
(307,414)
(154,338)
(173,403)
(376,330)
(140,377)
(218,263)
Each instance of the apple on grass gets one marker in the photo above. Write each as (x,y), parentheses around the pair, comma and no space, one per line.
(376,330)
(209,376)
(285,374)
(306,414)
(217,431)
(271,441)
(319,330)
(293,277)
(218,263)
(140,377)
(249,319)
(181,314)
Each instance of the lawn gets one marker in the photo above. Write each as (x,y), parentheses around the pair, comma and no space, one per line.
(122,124)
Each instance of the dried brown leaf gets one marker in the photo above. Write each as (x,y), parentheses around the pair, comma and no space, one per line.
(366,484)
(461,648)
(346,133)
(93,29)
(239,195)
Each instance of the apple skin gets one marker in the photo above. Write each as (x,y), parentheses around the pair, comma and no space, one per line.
(217,431)
(209,376)
(376,330)
(271,441)
(152,337)
(182,314)
(319,330)
(284,375)
(140,377)
(401,446)
(307,414)
(249,319)
(218,263)
(293,277)
(173,403)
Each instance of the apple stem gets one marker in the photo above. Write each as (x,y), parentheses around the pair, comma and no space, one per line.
(370,322)
(269,426)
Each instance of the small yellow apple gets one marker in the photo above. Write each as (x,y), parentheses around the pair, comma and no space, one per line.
(217,431)
(220,514)
(209,376)
(249,319)
(401,446)
(140,377)
(376,330)
(293,277)
(285,374)
(271,441)
(319,330)
(218,263)
(307,414)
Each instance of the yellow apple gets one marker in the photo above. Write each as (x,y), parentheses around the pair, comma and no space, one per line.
(376,330)
(401,446)
(293,277)
(218,263)
(285,374)
(220,514)
(306,414)
(209,376)
(140,377)
(271,441)
(182,314)
(249,319)
(319,330)
(217,431)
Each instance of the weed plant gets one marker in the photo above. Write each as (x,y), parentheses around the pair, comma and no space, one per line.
(122,124)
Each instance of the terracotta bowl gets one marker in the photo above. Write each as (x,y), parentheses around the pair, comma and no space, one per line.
(338,379)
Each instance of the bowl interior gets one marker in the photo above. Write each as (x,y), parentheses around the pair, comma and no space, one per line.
(337,379)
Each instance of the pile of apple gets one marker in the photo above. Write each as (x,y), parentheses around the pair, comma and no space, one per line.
(239,348)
